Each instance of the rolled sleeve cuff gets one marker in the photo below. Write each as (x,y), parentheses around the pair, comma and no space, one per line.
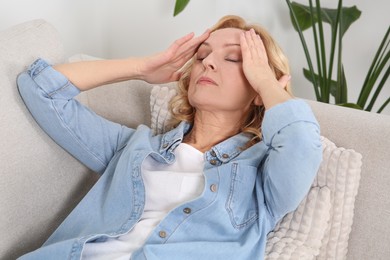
(52,82)
(284,114)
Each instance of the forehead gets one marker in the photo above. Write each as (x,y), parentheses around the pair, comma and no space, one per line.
(226,35)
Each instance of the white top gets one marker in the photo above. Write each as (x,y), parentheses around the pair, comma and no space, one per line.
(166,187)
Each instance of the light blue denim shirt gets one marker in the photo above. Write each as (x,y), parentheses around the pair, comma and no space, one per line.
(246,191)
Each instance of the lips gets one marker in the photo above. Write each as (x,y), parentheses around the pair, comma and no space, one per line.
(206,81)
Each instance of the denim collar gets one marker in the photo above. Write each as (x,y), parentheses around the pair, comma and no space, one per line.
(230,148)
(218,154)
(173,138)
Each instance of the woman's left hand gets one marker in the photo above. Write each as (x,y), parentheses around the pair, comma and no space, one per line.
(259,73)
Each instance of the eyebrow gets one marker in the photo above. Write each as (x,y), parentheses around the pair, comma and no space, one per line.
(225,45)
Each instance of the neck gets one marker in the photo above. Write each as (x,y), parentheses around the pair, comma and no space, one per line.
(209,131)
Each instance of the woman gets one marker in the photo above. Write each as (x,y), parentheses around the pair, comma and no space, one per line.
(211,188)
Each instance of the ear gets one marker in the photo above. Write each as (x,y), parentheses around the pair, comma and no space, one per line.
(257,100)
(283,81)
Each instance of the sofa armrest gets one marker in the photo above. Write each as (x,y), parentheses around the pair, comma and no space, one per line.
(39,182)
(369,134)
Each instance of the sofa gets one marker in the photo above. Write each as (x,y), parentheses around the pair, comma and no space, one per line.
(40,183)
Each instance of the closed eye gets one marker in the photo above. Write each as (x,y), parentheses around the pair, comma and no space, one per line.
(233,60)
(201,56)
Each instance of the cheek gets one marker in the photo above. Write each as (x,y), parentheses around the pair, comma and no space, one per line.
(191,85)
(243,79)
(241,92)
(195,71)
(236,79)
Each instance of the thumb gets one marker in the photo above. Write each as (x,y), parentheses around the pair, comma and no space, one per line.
(283,80)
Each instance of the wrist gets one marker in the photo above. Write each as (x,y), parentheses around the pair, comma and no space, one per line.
(133,68)
(265,85)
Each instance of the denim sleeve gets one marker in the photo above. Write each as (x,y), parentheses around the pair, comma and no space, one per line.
(49,96)
(292,136)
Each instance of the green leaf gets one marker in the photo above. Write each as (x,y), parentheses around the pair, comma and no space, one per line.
(341,87)
(384,105)
(351,105)
(302,12)
(305,48)
(333,83)
(379,88)
(378,64)
(304,16)
(349,16)
(307,75)
(179,6)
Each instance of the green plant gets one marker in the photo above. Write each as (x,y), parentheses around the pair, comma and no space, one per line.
(340,19)
(179,6)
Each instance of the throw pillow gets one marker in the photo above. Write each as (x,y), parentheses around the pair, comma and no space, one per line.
(340,171)
(299,234)
(159,103)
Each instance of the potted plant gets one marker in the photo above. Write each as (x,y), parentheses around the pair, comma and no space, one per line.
(304,17)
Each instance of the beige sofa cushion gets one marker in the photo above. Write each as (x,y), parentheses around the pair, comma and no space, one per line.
(368,134)
(122,102)
(37,187)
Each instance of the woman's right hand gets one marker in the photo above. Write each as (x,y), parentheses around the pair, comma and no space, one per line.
(160,68)
(165,66)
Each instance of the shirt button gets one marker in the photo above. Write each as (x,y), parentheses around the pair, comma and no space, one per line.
(225,155)
(162,234)
(213,187)
(213,162)
(165,145)
(187,210)
(213,153)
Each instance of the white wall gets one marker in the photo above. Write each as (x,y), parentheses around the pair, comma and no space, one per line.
(120,28)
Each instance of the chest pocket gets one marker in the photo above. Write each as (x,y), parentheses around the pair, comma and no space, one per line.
(242,204)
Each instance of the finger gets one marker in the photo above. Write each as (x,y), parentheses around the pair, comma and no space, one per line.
(284,80)
(259,46)
(245,52)
(184,39)
(197,41)
(177,44)
(188,49)
(250,43)
(175,76)
(204,35)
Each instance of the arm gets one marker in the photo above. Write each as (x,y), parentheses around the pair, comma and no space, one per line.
(289,129)
(49,95)
(292,136)
(160,68)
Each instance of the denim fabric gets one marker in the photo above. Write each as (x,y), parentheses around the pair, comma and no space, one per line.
(245,194)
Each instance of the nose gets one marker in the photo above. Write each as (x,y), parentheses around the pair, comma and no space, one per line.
(209,62)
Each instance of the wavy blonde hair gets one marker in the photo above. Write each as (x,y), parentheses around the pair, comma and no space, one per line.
(183,111)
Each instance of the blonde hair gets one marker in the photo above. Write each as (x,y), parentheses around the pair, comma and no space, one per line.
(183,111)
